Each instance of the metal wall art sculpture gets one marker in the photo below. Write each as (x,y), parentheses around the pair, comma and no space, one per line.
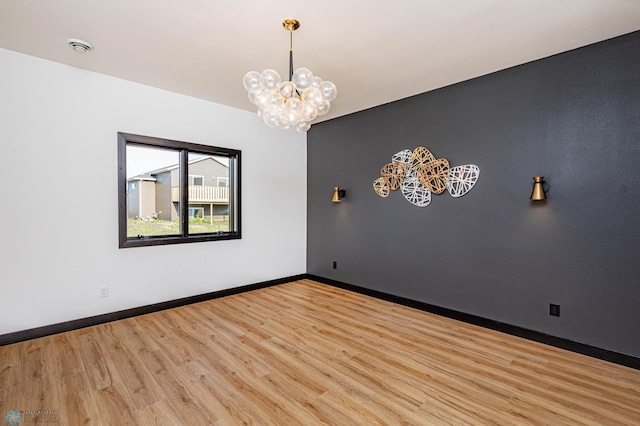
(419,173)
(462,179)
(381,187)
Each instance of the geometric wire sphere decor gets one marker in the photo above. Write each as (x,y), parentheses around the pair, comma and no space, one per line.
(402,157)
(420,157)
(381,187)
(394,174)
(415,193)
(434,175)
(462,179)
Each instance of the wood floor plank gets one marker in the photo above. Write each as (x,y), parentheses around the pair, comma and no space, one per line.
(187,403)
(114,406)
(40,385)
(227,402)
(160,413)
(305,353)
(204,335)
(79,401)
(129,371)
(93,354)
(66,354)
(11,377)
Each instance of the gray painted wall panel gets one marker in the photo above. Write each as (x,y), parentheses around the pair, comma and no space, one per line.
(573,118)
(164,205)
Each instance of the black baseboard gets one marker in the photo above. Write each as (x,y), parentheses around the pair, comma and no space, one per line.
(34,333)
(581,348)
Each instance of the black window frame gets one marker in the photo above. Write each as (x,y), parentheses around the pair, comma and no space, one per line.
(183,149)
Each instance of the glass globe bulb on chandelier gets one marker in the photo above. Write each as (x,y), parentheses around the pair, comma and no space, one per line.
(289,104)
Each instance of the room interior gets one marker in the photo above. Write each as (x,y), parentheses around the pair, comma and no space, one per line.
(544,90)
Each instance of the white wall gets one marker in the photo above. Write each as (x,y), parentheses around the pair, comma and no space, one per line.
(58,214)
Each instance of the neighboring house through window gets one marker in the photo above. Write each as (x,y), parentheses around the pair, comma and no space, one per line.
(163,197)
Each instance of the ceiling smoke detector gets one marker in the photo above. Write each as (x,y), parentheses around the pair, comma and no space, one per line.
(79,45)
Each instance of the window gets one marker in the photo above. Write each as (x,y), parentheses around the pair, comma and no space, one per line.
(163,197)
(196,212)
(196,180)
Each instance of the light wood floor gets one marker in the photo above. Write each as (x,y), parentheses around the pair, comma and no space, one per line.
(305,353)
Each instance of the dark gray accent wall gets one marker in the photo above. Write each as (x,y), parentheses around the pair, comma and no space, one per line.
(573,118)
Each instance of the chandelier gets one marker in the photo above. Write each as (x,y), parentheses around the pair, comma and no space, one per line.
(289,104)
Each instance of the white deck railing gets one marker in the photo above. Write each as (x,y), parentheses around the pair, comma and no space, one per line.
(203,194)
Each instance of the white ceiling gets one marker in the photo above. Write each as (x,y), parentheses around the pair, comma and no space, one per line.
(375,51)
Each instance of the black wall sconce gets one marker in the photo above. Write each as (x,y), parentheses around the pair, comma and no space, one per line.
(538,193)
(338,194)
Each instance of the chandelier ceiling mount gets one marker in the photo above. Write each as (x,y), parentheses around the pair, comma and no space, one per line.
(291,24)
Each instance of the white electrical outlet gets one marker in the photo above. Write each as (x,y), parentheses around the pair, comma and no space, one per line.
(104,291)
